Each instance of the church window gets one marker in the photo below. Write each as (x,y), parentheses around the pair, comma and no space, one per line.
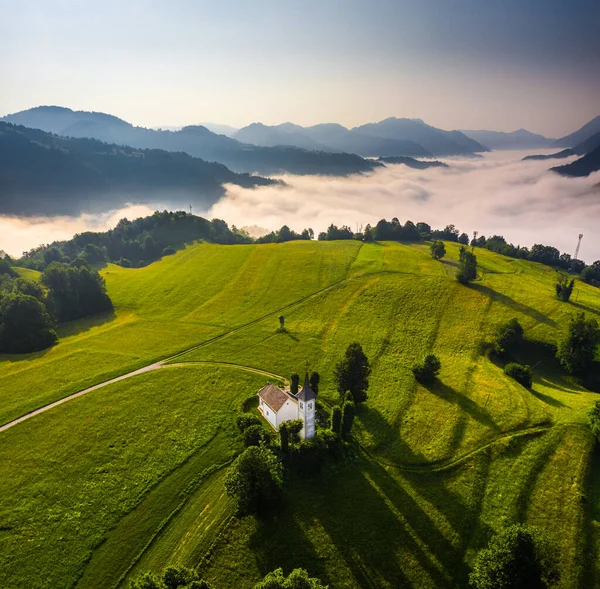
(310,405)
(301,406)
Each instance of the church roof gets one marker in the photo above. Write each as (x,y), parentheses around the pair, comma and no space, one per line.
(306,393)
(274,397)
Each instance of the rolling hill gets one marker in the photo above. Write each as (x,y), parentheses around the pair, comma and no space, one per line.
(129,477)
(44,174)
(521,139)
(194,140)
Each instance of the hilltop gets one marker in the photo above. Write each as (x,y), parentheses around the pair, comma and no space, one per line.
(439,468)
(44,174)
(194,140)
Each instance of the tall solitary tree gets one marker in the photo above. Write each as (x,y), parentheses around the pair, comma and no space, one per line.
(352,373)
(576,351)
(295,383)
(315,379)
(348,414)
(336,420)
(438,249)
(467,266)
(564,287)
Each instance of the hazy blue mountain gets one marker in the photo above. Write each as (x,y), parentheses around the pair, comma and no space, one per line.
(412,162)
(590,144)
(219,129)
(195,140)
(271,136)
(521,139)
(436,141)
(583,166)
(45,174)
(329,137)
(550,156)
(581,135)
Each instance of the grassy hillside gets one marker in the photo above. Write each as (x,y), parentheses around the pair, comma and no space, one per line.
(441,468)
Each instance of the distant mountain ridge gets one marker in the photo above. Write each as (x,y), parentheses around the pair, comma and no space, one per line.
(520,139)
(44,174)
(390,137)
(194,140)
(580,136)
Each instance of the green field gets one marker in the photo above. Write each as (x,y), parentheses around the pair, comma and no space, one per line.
(129,477)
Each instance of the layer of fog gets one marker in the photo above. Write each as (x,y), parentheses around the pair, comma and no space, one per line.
(18,235)
(496,194)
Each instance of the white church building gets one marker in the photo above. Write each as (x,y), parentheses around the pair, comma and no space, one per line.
(278,405)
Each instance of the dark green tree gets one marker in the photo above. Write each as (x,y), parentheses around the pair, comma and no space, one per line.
(564,287)
(178,576)
(254,435)
(246,420)
(517,558)
(315,379)
(295,383)
(294,427)
(352,373)
(594,419)
(254,480)
(464,239)
(348,414)
(336,420)
(508,337)
(426,372)
(577,349)
(467,266)
(520,372)
(438,249)
(147,581)
(284,437)
(297,579)
(25,325)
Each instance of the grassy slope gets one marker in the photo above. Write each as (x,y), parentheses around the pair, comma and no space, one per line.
(399,304)
(28,274)
(63,494)
(169,306)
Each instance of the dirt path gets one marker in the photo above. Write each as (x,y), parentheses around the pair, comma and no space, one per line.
(148,368)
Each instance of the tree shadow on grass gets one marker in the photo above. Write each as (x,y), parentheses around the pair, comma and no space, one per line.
(443,391)
(71,328)
(548,399)
(515,305)
(584,307)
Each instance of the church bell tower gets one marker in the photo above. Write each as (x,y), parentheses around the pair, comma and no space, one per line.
(306,409)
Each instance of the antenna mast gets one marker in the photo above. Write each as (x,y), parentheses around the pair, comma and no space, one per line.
(190,209)
(578,246)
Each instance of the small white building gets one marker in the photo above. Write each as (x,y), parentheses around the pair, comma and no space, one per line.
(277,406)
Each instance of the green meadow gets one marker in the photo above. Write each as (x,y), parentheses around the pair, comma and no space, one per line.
(129,477)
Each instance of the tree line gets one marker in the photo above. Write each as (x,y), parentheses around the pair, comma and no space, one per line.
(146,239)
(30,311)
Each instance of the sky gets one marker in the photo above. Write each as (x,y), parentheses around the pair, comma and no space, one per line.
(466,64)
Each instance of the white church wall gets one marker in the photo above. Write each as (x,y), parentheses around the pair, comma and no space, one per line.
(270,415)
(288,411)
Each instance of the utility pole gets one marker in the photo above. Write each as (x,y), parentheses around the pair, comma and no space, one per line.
(578,246)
